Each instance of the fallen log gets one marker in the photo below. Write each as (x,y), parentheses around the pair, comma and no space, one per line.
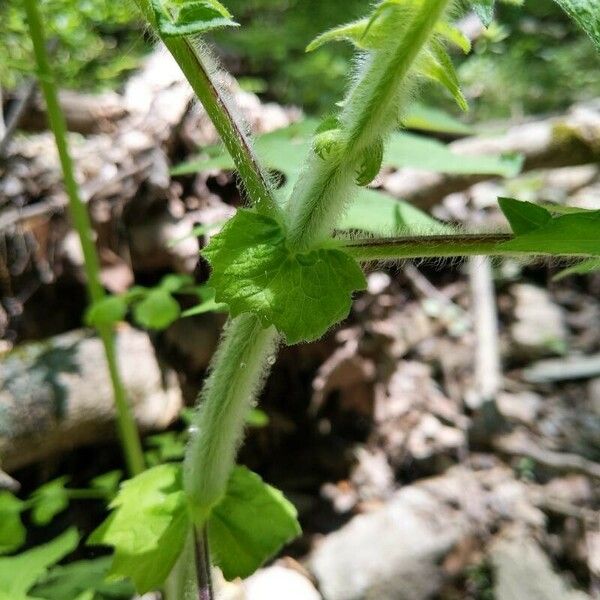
(572,139)
(56,395)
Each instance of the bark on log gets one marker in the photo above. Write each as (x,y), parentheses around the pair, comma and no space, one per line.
(56,395)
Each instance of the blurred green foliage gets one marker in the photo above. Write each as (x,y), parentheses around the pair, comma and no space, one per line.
(97,42)
(532,59)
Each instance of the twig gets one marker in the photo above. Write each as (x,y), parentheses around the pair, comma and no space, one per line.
(488,374)
(15,116)
(517,444)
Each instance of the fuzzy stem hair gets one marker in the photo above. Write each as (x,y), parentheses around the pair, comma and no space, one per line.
(370,112)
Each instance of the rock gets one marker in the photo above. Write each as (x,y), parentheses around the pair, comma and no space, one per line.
(523,571)
(523,407)
(278,583)
(539,328)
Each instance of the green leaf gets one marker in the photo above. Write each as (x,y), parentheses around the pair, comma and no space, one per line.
(426,118)
(19,573)
(49,500)
(571,234)
(484,9)
(147,527)
(411,150)
(380,214)
(437,66)
(523,216)
(107,311)
(585,267)
(250,524)
(175,282)
(71,581)
(190,17)
(108,483)
(302,294)
(157,310)
(370,165)
(12,530)
(351,32)
(586,13)
(257,418)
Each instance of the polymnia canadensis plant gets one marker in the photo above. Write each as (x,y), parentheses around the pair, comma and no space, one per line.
(286,277)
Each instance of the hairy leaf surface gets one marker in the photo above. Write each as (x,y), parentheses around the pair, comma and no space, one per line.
(302,294)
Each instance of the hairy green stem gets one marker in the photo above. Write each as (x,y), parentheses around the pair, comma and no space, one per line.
(370,112)
(443,246)
(438,246)
(201,77)
(238,370)
(128,432)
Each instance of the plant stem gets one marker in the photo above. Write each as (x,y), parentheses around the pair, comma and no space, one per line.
(129,435)
(370,112)
(202,78)
(436,246)
(238,370)
(203,571)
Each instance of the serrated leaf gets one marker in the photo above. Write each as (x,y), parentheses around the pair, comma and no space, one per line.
(523,216)
(585,267)
(49,500)
(484,9)
(586,13)
(190,17)
(370,164)
(106,312)
(250,524)
(572,234)
(147,527)
(71,581)
(19,573)
(12,530)
(302,294)
(157,310)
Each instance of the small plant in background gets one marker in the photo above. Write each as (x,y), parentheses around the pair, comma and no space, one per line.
(286,275)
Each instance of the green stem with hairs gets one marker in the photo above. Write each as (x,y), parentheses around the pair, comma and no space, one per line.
(199,75)
(370,113)
(126,425)
(438,246)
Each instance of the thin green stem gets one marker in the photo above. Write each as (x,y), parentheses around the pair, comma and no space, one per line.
(129,435)
(202,78)
(436,246)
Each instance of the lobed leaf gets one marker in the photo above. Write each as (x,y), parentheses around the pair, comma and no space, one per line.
(18,574)
(302,294)
(150,524)
(49,500)
(12,530)
(147,528)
